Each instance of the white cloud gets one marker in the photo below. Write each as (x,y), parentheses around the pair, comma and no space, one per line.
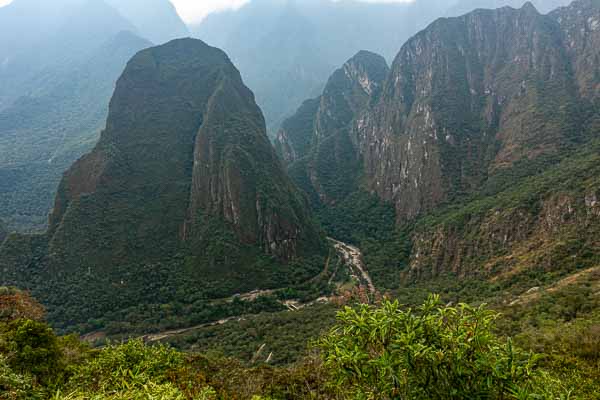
(196,10)
(191,10)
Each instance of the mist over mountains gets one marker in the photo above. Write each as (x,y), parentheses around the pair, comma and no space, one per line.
(423,150)
(59,62)
(286,50)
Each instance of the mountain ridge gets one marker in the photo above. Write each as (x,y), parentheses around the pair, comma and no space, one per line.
(342,28)
(321,143)
(182,193)
(68,117)
(470,103)
(55,89)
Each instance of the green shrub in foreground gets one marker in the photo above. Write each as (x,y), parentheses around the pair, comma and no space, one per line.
(31,348)
(435,352)
(126,366)
(14,386)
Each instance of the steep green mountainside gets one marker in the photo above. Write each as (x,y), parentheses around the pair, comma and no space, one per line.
(3,232)
(73,31)
(45,132)
(182,200)
(59,62)
(317,141)
(466,97)
(54,91)
(524,230)
(481,145)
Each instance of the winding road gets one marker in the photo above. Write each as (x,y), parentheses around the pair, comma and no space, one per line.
(352,257)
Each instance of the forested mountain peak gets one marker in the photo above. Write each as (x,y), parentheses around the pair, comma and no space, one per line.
(467,102)
(317,139)
(184,182)
(59,61)
(230,172)
(481,85)
(342,29)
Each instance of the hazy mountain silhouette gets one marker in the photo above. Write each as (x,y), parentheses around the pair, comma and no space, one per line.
(286,49)
(55,84)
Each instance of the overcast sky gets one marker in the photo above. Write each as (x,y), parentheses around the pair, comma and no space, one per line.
(195,10)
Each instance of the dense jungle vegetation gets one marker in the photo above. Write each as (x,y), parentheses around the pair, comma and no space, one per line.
(379,351)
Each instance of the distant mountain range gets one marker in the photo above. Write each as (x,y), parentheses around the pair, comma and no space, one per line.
(472,160)
(183,193)
(482,137)
(286,50)
(59,62)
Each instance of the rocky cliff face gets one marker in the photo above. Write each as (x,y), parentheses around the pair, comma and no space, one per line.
(580,34)
(465,97)
(318,138)
(548,223)
(471,101)
(236,175)
(184,142)
(546,103)
(312,37)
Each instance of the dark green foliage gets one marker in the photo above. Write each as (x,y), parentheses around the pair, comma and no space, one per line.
(299,173)
(181,205)
(336,167)
(369,223)
(117,363)
(14,386)
(524,185)
(146,298)
(32,349)
(319,137)
(558,321)
(60,105)
(3,232)
(384,351)
(299,130)
(358,217)
(434,353)
(285,336)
